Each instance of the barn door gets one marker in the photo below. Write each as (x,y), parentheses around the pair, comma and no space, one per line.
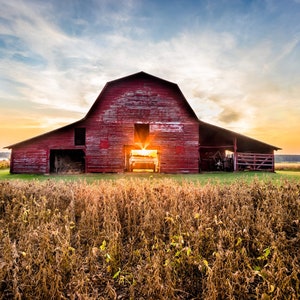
(67,161)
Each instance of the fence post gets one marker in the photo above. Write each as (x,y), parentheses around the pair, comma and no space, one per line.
(234,155)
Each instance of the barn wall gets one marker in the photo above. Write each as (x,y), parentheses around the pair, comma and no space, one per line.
(31,160)
(110,126)
(33,157)
(179,149)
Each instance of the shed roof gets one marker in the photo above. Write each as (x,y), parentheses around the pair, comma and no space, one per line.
(211,135)
(35,138)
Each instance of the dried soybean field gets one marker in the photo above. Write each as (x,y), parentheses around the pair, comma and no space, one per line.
(149,239)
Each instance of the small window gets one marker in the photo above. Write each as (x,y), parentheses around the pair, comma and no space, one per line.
(141,133)
(79,136)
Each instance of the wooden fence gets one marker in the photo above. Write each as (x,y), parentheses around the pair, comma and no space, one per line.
(254,161)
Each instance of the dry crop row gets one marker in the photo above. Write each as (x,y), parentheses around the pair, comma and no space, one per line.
(149,239)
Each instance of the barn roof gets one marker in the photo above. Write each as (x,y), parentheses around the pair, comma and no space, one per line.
(209,134)
(143,75)
(35,138)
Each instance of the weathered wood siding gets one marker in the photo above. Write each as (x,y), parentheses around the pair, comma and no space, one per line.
(33,156)
(30,160)
(110,126)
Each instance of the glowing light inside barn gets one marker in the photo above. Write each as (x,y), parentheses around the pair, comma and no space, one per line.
(145,160)
(144,152)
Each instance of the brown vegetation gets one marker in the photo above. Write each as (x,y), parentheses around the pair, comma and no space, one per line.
(295,167)
(4,164)
(149,239)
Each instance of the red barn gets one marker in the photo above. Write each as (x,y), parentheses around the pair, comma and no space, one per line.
(140,122)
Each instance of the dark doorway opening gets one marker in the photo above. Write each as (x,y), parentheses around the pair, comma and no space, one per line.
(216,159)
(79,136)
(141,135)
(67,161)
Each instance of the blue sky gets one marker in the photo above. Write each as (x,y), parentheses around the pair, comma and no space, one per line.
(237,62)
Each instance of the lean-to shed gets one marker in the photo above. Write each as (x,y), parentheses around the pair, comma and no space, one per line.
(140,122)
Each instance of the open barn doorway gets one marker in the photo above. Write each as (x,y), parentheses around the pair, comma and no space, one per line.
(141,160)
(141,157)
(67,161)
(216,159)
